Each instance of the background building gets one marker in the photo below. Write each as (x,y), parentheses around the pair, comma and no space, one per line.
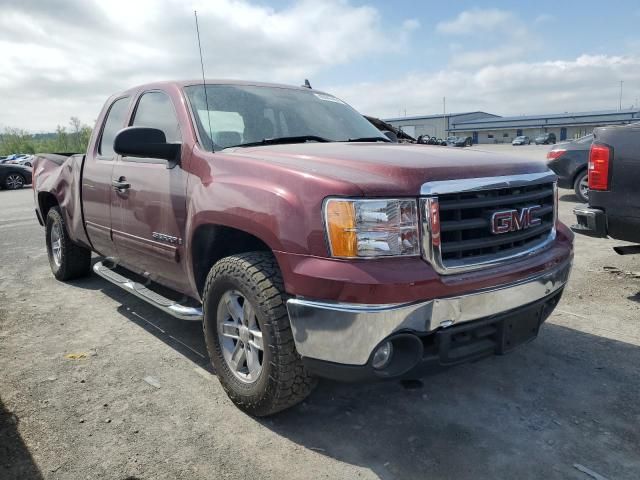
(488,128)
(434,125)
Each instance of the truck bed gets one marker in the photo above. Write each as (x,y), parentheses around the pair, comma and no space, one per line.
(57,179)
(621,202)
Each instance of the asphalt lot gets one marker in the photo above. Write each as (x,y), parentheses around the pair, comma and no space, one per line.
(96,384)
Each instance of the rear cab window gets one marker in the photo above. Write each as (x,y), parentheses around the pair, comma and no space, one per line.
(115,121)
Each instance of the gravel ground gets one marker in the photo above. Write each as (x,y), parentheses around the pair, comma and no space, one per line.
(96,384)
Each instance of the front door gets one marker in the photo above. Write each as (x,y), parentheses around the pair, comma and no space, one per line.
(148,215)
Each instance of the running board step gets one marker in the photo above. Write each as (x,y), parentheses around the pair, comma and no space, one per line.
(627,250)
(165,304)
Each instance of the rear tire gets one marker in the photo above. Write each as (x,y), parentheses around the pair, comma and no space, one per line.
(67,259)
(244,309)
(581,186)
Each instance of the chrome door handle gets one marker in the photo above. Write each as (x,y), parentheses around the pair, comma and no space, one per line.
(120,185)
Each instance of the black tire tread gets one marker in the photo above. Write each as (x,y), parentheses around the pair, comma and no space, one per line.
(289,383)
(76,259)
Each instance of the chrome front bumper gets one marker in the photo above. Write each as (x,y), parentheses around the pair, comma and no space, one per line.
(348,333)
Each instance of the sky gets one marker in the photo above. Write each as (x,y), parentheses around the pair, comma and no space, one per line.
(64,58)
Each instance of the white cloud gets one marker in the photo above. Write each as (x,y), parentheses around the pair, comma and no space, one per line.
(502,34)
(63,58)
(477,20)
(491,56)
(589,82)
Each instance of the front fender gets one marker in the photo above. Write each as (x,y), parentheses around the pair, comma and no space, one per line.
(278,204)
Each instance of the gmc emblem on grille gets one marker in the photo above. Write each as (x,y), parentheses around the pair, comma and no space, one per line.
(514,220)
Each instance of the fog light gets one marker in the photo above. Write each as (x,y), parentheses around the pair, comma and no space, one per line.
(382,356)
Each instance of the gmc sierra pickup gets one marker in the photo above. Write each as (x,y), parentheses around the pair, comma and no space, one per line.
(614,199)
(306,242)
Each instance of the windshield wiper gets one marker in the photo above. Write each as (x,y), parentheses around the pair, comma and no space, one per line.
(283,140)
(370,139)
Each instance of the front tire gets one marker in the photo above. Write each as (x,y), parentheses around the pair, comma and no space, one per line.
(581,186)
(248,335)
(67,259)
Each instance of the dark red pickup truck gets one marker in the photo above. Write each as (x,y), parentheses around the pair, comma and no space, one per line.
(307,243)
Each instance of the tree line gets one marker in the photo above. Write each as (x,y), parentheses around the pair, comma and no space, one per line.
(71,139)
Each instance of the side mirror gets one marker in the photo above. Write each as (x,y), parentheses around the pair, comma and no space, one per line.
(144,142)
(391,135)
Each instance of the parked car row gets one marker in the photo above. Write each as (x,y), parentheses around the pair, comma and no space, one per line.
(542,139)
(428,140)
(18,159)
(451,141)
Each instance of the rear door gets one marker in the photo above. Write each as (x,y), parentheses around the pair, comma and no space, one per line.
(96,177)
(149,217)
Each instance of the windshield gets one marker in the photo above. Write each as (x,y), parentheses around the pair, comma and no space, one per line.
(520,138)
(244,114)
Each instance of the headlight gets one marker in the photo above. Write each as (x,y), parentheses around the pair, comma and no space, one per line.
(371,228)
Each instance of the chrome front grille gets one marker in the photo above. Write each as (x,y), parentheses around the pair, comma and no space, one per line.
(460,229)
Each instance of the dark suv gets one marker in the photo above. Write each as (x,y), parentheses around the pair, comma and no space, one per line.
(545,139)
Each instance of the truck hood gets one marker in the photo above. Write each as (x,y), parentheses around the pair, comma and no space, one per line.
(388,168)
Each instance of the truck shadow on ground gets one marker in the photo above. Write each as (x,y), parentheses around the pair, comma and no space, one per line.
(183,336)
(15,459)
(563,399)
(570,197)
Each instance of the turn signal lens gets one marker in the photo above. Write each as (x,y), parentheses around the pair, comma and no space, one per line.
(372,228)
(599,157)
(341,228)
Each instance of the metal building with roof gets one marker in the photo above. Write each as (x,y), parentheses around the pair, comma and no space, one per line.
(434,125)
(489,128)
(564,125)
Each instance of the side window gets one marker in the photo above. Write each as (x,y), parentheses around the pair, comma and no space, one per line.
(112,125)
(155,109)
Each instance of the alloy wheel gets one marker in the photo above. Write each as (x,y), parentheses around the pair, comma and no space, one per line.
(56,244)
(240,336)
(15,181)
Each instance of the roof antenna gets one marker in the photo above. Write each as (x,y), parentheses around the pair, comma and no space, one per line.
(204,80)
(306,83)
